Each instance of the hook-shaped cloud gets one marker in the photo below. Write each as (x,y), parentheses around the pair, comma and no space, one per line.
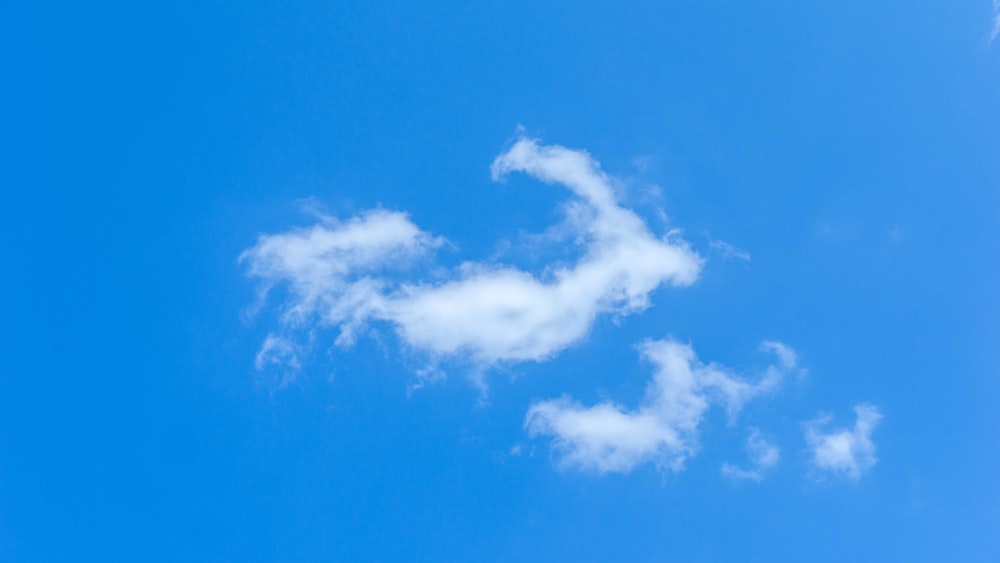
(663,430)
(340,274)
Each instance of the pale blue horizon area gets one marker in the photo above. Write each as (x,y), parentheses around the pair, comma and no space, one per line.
(834,164)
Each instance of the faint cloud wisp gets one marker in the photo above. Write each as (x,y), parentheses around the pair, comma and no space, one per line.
(763,456)
(728,251)
(996,20)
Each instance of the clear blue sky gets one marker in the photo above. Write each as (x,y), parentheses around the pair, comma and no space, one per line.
(763,328)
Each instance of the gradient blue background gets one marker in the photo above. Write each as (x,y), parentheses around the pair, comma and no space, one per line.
(851,147)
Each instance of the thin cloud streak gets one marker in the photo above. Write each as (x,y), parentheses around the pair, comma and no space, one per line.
(729,251)
(996,20)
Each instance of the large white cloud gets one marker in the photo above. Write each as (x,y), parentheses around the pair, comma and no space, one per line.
(663,430)
(339,274)
(845,452)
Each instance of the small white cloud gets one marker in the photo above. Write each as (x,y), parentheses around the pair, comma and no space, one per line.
(728,251)
(763,456)
(339,273)
(844,452)
(609,438)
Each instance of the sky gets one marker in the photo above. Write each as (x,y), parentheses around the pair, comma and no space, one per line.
(500,281)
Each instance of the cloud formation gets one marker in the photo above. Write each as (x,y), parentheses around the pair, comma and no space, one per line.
(844,452)
(345,274)
(763,456)
(663,430)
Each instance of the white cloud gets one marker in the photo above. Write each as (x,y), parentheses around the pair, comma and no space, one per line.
(844,452)
(609,438)
(346,275)
(337,273)
(334,270)
(763,456)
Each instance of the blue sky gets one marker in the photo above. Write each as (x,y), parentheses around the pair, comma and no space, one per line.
(513,281)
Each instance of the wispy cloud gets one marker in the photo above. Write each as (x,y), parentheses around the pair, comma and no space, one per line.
(996,20)
(844,452)
(763,456)
(335,271)
(663,430)
(728,251)
(282,354)
(341,274)
(277,350)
